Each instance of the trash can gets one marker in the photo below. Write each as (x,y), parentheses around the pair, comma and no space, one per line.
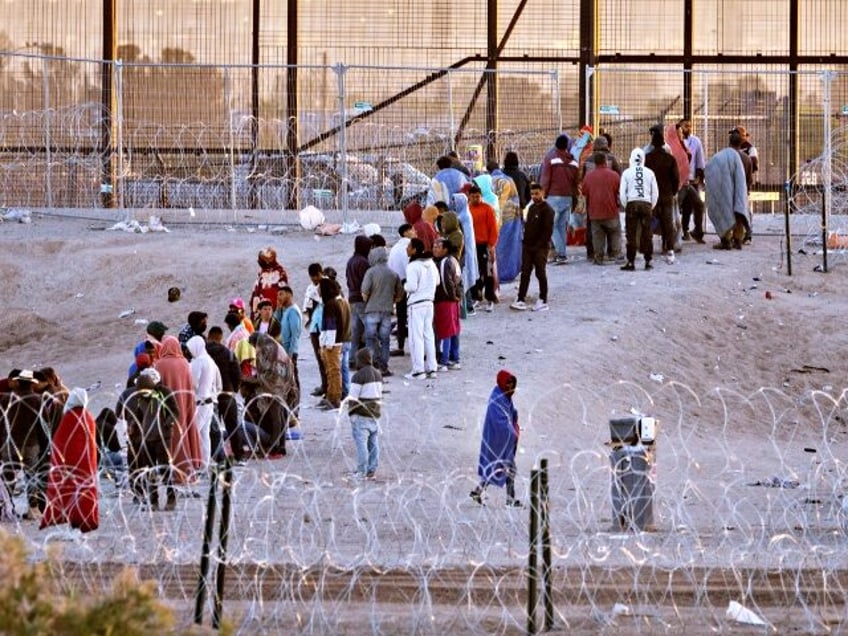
(633,472)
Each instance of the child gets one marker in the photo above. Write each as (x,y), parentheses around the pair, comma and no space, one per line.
(500,441)
(365,400)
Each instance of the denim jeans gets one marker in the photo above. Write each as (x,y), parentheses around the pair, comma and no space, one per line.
(357,324)
(378,325)
(365,430)
(448,349)
(562,211)
(345,369)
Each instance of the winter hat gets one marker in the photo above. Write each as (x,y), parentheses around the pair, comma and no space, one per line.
(157,329)
(600,143)
(503,379)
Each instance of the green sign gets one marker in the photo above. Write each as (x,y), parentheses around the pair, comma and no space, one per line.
(362,106)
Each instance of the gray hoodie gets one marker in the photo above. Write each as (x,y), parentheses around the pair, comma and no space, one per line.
(381,287)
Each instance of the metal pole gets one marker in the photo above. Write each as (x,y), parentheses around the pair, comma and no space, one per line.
(544,522)
(827,165)
(292,123)
(532,563)
(208,529)
(252,202)
(787,212)
(118,119)
(228,99)
(342,163)
(110,46)
(45,79)
(450,113)
(491,76)
(557,101)
(223,537)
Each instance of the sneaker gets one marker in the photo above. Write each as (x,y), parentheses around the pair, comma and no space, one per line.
(514,503)
(317,392)
(370,475)
(475,305)
(490,306)
(561,260)
(648,266)
(442,367)
(471,312)
(687,236)
(540,305)
(421,375)
(386,373)
(669,257)
(476,496)
(454,366)
(431,375)
(396,353)
(326,405)
(628,267)
(520,305)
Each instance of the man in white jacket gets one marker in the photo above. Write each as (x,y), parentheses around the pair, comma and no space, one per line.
(638,193)
(206,379)
(422,277)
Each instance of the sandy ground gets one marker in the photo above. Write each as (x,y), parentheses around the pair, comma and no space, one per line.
(743,364)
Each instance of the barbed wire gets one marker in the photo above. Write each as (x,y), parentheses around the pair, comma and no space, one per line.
(314,549)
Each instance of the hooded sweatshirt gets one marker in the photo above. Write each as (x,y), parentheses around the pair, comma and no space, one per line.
(357,265)
(638,183)
(452,232)
(205,375)
(366,387)
(381,286)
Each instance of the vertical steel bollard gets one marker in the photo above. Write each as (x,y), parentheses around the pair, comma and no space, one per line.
(208,529)
(223,536)
(544,521)
(532,567)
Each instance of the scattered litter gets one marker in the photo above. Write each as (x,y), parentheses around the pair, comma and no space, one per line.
(754,287)
(351,227)
(818,268)
(488,342)
(79,295)
(452,427)
(95,387)
(370,229)
(20,215)
(620,609)
(311,217)
(140,321)
(155,224)
(657,377)
(802,251)
(776,482)
(768,295)
(614,338)
(756,279)
(501,357)
(827,387)
(712,261)
(808,449)
(812,500)
(328,229)
(742,614)
(191,212)
(134,227)
(278,229)
(808,368)
(127,313)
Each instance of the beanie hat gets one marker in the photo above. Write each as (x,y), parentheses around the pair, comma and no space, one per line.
(503,379)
